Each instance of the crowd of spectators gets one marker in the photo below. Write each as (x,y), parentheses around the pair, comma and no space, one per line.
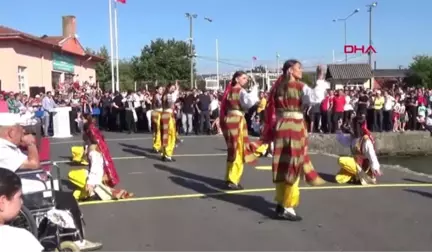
(388,110)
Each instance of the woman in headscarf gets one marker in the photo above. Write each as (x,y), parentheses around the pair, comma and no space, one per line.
(168,122)
(235,101)
(363,166)
(285,126)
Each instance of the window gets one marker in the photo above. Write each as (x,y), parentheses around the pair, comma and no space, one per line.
(22,79)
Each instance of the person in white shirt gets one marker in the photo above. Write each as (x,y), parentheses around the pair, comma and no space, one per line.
(428,124)
(348,108)
(12,137)
(389,102)
(363,166)
(13,238)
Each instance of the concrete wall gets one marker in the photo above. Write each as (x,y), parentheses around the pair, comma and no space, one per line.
(408,143)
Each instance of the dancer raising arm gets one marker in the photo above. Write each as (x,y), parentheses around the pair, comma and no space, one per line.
(167,122)
(235,101)
(285,125)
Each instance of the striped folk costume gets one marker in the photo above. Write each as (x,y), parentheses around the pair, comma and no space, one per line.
(156,122)
(363,166)
(285,126)
(240,149)
(168,124)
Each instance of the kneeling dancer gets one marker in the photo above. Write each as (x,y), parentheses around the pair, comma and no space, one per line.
(363,166)
(285,126)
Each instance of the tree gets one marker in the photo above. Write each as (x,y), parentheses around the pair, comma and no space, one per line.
(103,69)
(308,79)
(420,72)
(163,61)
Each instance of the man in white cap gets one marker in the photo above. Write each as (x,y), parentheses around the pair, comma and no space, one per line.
(12,137)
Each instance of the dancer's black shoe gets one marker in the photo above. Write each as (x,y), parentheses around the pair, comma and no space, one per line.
(232,186)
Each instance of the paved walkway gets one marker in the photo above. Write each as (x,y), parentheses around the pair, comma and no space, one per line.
(180,206)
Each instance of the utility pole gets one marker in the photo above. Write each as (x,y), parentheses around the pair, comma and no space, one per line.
(370,7)
(192,54)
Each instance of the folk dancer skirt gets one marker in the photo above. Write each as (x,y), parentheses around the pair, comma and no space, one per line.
(240,149)
(351,171)
(291,160)
(156,126)
(168,133)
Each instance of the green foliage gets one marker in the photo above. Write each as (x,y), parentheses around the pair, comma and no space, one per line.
(420,72)
(163,61)
(309,80)
(103,69)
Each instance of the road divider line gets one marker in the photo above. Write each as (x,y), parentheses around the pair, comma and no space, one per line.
(256,190)
(131,139)
(155,155)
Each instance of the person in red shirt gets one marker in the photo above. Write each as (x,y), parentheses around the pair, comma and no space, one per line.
(326,112)
(338,108)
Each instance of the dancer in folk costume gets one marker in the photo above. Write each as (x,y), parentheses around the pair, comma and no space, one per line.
(285,125)
(363,166)
(101,177)
(233,124)
(156,119)
(168,121)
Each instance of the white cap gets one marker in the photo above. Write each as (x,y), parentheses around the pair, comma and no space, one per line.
(9,119)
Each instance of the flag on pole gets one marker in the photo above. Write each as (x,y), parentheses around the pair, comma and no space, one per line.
(121,1)
(254,58)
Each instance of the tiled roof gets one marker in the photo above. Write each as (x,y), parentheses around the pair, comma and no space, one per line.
(394,73)
(55,40)
(9,33)
(348,71)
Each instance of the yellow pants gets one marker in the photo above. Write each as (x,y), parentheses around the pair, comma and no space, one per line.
(168,150)
(79,179)
(348,170)
(157,144)
(234,170)
(78,155)
(287,195)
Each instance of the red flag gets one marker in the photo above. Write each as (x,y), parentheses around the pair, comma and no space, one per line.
(121,1)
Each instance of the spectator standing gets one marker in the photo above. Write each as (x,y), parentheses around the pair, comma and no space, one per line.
(48,106)
(203,107)
(378,104)
(338,109)
(389,103)
(326,109)
(187,112)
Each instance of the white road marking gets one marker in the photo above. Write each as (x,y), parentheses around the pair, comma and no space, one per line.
(131,139)
(144,157)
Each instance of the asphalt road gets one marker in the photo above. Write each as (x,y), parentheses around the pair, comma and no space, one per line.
(181,206)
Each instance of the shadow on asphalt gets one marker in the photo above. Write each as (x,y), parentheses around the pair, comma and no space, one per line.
(140,151)
(424,194)
(206,185)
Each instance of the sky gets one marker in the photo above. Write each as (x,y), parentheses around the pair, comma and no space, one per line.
(244,29)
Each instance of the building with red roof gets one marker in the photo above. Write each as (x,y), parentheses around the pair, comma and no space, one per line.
(34,64)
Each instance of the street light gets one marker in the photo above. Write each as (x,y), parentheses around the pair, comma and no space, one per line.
(370,7)
(191,17)
(344,20)
(217,53)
